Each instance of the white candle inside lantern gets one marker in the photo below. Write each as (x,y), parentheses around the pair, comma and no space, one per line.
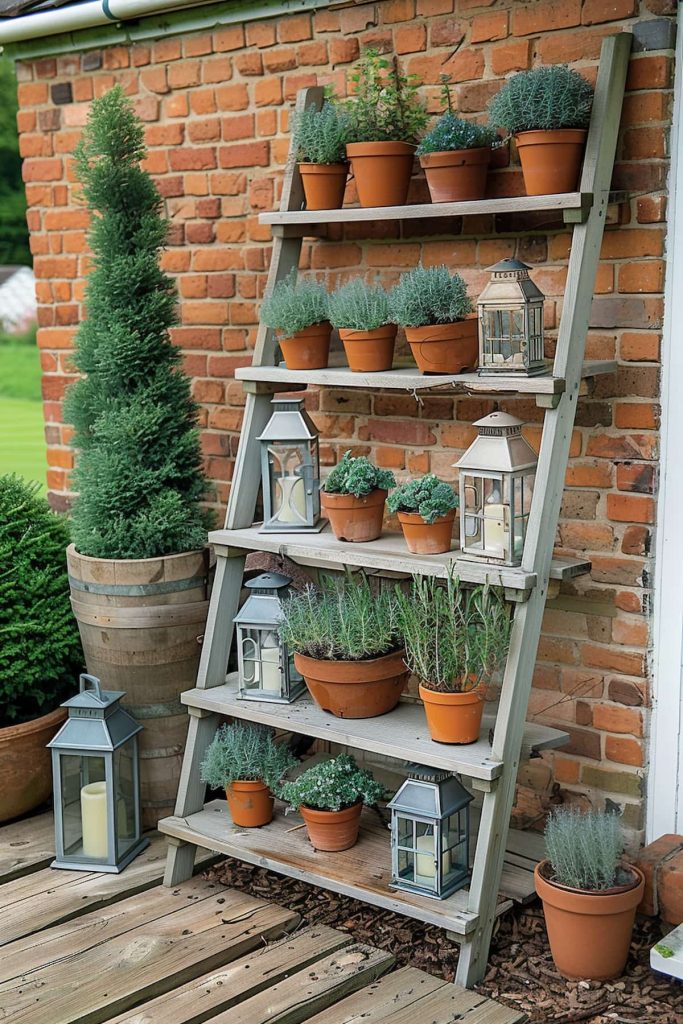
(270,669)
(495,530)
(94,819)
(425,868)
(292,506)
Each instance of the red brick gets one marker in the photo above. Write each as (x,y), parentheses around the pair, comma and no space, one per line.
(216,70)
(637,476)
(240,126)
(487,27)
(598,11)
(447,32)
(537,18)
(206,130)
(624,751)
(651,209)
(343,51)
(649,72)
(261,34)
(42,170)
(295,28)
(185,74)
(640,348)
(32,94)
(671,890)
(630,509)
(249,63)
(281,59)
(312,54)
(636,416)
(397,432)
(192,159)
(166,50)
(512,56)
(268,92)
(233,97)
(410,39)
(248,154)
(229,38)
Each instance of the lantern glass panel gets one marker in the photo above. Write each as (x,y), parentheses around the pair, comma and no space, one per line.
(84,803)
(288,484)
(487,514)
(125,790)
(261,659)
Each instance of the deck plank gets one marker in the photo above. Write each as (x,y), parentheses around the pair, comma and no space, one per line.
(26,845)
(406,987)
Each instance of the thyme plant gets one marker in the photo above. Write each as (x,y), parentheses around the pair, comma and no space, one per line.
(358,306)
(333,785)
(429,497)
(452,133)
(545,98)
(585,849)
(356,475)
(385,105)
(243,752)
(321,135)
(429,295)
(294,305)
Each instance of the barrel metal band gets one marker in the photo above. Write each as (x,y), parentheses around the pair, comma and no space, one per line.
(137,589)
(174,707)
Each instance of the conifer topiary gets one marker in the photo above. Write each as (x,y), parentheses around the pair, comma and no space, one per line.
(138,468)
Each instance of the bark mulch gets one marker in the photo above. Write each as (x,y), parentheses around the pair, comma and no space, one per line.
(520,973)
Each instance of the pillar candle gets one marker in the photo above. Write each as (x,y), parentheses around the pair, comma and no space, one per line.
(293,493)
(270,669)
(425,868)
(94,820)
(495,531)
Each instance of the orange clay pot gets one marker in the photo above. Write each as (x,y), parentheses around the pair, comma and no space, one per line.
(308,349)
(332,831)
(445,348)
(382,171)
(355,519)
(355,689)
(25,764)
(551,161)
(324,185)
(453,717)
(427,538)
(369,351)
(250,803)
(456,176)
(589,932)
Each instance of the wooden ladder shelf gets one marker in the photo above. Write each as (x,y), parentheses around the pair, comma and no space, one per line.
(491,764)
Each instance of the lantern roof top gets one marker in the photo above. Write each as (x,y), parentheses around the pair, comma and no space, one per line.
(430,793)
(268,581)
(499,446)
(92,697)
(96,720)
(508,265)
(500,423)
(289,421)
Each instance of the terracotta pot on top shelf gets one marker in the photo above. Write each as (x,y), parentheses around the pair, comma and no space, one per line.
(353,519)
(382,171)
(250,803)
(355,689)
(551,160)
(25,764)
(332,831)
(453,717)
(324,185)
(308,349)
(458,175)
(445,348)
(423,538)
(369,351)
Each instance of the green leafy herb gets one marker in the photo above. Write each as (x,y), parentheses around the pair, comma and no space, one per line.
(294,305)
(545,98)
(358,306)
(356,475)
(333,785)
(429,295)
(321,135)
(585,848)
(385,105)
(243,752)
(430,497)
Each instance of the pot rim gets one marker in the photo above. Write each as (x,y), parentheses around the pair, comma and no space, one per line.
(342,813)
(319,329)
(388,148)
(439,697)
(385,331)
(444,157)
(566,135)
(33,725)
(305,167)
(378,496)
(460,330)
(248,785)
(414,518)
(71,550)
(369,670)
(543,866)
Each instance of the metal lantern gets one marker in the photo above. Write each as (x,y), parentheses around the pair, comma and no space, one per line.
(266,669)
(96,782)
(496,485)
(430,833)
(511,322)
(290,469)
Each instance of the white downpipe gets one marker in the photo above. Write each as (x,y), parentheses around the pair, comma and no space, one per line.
(80,16)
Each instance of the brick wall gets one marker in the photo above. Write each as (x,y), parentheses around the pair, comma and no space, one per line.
(216,108)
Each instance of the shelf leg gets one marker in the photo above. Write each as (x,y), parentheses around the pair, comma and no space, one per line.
(223,606)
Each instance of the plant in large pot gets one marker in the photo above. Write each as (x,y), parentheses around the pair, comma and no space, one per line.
(547,110)
(245,761)
(297,310)
(386,117)
(360,312)
(330,797)
(320,137)
(353,498)
(589,894)
(433,307)
(455,639)
(138,566)
(426,511)
(40,650)
(347,646)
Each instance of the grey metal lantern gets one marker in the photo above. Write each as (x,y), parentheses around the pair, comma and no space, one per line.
(266,669)
(290,469)
(511,322)
(430,833)
(96,782)
(496,486)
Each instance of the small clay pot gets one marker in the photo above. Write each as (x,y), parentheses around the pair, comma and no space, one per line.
(332,831)
(382,171)
(353,519)
(250,803)
(355,689)
(453,717)
(369,351)
(457,176)
(445,348)
(551,161)
(424,538)
(324,185)
(308,349)
(25,764)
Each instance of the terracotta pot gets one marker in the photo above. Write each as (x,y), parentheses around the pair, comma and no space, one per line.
(250,803)
(308,349)
(427,538)
(382,171)
(551,161)
(453,717)
(25,764)
(369,351)
(355,689)
(357,520)
(457,176)
(332,831)
(589,932)
(445,348)
(324,185)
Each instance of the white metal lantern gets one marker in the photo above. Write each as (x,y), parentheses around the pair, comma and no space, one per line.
(511,322)
(430,833)
(496,486)
(266,669)
(290,469)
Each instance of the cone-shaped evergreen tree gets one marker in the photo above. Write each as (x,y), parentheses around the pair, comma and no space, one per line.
(138,467)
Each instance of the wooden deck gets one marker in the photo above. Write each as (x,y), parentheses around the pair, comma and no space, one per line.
(88,948)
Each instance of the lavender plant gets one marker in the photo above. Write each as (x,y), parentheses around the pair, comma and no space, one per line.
(321,135)
(429,295)
(243,752)
(294,305)
(545,99)
(358,306)
(585,849)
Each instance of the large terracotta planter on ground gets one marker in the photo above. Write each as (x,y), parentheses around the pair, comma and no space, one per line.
(369,351)
(551,161)
(445,348)
(382,171)
(453,717)
(25,764)
(324,185)
(424,538)
(589,932)
(457,176)
(355,689)
(308,349)
(250,803)
(353,519)
(332,831)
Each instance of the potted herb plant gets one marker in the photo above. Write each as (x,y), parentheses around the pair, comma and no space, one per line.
(433,307)
(297,310)
(320,137)
(386,116)
(347,646)
(330,798)
(425,510)
(547,110)
(589,894)
(455,639)
(360,312)
(353,498)
(245,761)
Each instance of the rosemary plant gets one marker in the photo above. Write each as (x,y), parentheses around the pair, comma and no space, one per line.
(358,306)
(321,135)
(430,497)
(585,849)
(545,98)
(356,475)
(294,305)
(243,752)
(385,105)
(429,295)
(333,785)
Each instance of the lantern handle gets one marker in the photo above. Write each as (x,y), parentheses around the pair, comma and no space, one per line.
(91,683)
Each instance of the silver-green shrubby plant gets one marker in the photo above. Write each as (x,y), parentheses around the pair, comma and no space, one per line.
(358,306)
(333,785)
(243,752)
(294,305)
(356,475)
(429,497)
(321,135)
(429,295)
(585,849)
(543,99)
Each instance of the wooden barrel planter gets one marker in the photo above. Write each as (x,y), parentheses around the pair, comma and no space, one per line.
(141,624)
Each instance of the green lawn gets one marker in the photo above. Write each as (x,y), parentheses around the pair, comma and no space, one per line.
(22,439)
